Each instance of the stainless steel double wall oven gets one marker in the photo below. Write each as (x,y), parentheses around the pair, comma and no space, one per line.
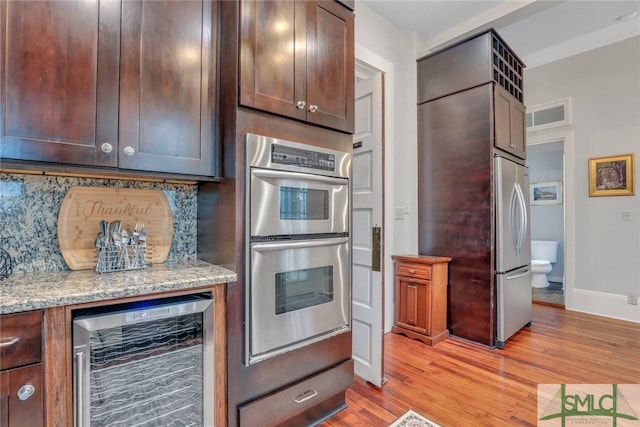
(297,229)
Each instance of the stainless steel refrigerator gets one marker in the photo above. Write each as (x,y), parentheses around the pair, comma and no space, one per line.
(513,249)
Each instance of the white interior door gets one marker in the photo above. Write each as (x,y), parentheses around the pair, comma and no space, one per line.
(368,294)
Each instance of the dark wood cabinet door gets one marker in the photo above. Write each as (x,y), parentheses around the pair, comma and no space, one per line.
(297,60)
(509,117)
(413,302)
(59,81)
(168,86)
(330,68)
(15,412)
(273,57)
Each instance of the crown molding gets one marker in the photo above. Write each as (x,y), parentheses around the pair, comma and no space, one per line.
(608,35)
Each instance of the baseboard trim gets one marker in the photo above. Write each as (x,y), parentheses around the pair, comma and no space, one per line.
(602,304)
(557,279)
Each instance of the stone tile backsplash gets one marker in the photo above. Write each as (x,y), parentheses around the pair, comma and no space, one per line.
(29,207)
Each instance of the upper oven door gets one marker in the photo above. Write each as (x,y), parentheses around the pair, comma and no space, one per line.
(286,203)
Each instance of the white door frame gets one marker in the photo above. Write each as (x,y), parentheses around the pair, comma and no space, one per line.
(369,60)
(564,134)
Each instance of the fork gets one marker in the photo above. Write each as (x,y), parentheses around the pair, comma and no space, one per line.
(137,262)
(143,244)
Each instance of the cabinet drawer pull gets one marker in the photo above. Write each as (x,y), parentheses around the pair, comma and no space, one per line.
(412,271)
(309,394)
(9,343)
(26,391)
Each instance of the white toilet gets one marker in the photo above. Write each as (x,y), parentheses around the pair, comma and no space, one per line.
(543,253)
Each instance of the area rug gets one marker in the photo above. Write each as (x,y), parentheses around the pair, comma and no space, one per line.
(413,419)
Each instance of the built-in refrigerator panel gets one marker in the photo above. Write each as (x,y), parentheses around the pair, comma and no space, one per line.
(513,235)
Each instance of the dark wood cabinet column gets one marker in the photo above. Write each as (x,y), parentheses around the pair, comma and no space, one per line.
(470,110)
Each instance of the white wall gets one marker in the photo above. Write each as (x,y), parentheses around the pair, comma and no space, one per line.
(604,86)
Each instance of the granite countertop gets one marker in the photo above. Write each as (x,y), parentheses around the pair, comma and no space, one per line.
(32,291)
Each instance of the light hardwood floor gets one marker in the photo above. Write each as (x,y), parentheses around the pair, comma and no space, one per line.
(457,383)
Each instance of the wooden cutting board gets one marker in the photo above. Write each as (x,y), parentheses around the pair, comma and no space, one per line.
(84,207)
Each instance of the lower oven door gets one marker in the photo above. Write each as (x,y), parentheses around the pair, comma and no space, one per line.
(298,293)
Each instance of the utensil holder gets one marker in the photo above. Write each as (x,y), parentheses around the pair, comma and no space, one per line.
(113,257)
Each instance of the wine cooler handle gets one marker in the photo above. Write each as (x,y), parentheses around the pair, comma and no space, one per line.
(79,388)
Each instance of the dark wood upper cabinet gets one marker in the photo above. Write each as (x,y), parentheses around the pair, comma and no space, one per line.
(126,84)
(297,60)
(509,123)
(483,58)
(168,86)
(59,81)
(480,59)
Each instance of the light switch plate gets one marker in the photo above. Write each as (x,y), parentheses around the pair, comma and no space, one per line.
(399,213)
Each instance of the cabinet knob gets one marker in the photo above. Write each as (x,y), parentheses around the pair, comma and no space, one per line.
(106,148)
(26,391)
(412,271)
(313,108)
(301,105)
(129,151)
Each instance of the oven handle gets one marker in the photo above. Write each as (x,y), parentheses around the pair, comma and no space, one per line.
(268,173)
(298,244)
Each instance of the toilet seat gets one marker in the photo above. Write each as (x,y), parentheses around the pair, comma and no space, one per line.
(540,263)
(540,268)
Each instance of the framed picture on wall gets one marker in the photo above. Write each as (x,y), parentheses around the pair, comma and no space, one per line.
(546,193)
(611,176)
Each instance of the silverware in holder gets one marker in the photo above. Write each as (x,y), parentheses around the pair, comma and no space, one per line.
(6,264)
(119,249)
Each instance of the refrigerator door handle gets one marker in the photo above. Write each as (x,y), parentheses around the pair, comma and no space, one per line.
(523,217)
(517,276)
(513,203)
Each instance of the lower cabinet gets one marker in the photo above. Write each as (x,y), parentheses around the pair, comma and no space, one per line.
(421,297)
(59,357)
(21,397)
(21,377)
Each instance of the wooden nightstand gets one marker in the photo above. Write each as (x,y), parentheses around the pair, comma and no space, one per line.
(421,297)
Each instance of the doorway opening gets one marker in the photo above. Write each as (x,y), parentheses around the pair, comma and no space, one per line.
(546,159)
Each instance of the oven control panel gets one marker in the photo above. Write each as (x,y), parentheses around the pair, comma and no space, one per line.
(293,156)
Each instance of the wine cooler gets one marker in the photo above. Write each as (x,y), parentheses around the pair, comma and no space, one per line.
(144,364)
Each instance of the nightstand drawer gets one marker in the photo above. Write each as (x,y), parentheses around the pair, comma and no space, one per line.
(20,339)
(413,270)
